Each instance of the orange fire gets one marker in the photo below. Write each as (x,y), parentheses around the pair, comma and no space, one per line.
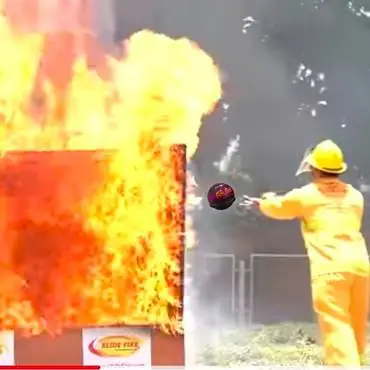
(155,97)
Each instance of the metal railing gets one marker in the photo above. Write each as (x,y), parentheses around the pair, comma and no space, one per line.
(242,282)
(252,284)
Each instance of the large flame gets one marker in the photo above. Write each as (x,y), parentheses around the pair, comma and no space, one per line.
(155,96)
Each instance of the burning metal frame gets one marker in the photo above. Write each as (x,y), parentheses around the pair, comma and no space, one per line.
(35,182)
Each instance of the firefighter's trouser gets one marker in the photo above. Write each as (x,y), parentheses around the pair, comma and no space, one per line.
(341,302)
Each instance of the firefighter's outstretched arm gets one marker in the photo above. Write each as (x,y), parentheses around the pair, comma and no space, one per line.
(281,207)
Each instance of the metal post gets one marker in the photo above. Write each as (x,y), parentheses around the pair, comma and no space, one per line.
(233,289)
(241,293)
(251,290)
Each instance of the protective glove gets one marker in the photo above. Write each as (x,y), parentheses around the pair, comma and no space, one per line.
(267,195)
(248,201)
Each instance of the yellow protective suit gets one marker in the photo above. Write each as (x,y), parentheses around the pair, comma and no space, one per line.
(331,214)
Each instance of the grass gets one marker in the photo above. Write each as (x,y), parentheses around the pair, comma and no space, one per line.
(284,344)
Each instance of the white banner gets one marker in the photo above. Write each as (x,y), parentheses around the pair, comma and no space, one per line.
(117,347)
(7,348)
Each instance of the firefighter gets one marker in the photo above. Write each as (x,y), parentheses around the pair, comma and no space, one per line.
(331,213)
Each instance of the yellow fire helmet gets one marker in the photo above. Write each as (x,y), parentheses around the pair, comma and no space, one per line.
(326,156)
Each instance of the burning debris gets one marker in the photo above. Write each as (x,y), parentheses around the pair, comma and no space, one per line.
(230,163)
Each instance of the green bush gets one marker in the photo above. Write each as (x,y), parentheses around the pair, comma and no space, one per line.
(284,344)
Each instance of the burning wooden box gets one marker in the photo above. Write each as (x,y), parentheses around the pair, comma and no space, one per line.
(46,245)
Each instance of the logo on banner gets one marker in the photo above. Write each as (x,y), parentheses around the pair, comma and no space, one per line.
(115,346)
(3,349)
